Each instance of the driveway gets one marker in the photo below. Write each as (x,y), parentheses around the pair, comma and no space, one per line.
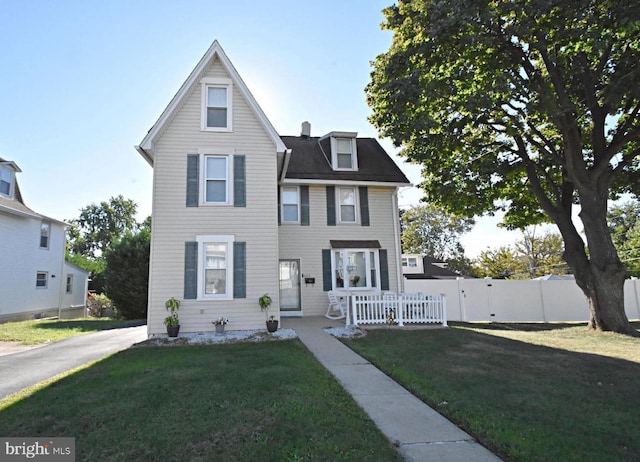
(26,368)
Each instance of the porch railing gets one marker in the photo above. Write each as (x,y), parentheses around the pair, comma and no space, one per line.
(401,310)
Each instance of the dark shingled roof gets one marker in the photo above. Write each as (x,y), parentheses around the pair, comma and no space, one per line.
(337,244)
(432,271)
(309,162)
(16,203)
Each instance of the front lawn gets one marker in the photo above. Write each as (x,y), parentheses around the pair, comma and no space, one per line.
(240,402)
(41,331)
(545,393)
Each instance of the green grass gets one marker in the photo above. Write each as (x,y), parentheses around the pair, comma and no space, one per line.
(241,402)
(572,400)
(41,331)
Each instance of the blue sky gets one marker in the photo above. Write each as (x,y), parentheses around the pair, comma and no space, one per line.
(83,81)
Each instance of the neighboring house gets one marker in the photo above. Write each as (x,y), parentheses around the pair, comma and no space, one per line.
(35,280)
(415,266)
(239,211)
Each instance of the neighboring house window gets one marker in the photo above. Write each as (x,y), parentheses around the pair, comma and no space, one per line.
(6,180)
(216,104)
(347,205)
(216,179)
(409,261)
(215,267)
(290,198)
(69,286)
(355,269)
(41,279)
(45,228)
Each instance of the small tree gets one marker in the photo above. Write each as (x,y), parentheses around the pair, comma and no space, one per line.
(127,274)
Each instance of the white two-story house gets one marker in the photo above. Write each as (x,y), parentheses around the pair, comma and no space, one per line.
(35,280)
(239,211)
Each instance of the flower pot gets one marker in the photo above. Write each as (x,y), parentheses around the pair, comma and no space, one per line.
(172,331)
(219,328)
(272,325)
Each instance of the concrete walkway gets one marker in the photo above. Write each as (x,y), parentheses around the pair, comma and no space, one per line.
(420,433)
(27,368)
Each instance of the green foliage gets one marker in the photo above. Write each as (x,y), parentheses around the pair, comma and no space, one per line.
(94,266)
(525,106)
(99,304)
(624,223)
(98,226)
(127,274)
(429,230)
(505,103)
(531,257)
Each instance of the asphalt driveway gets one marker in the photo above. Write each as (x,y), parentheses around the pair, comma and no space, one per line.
(24,369)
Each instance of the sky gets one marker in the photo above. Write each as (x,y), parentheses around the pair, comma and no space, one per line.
(81,83)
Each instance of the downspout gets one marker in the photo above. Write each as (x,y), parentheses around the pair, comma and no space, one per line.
(63,276)
(396,238)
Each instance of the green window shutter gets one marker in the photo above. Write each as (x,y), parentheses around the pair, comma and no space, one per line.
(304,205)
(384,270)
(239,182)
(190,270)
(327,282)
(331,205)
(239,270)
(193,189)
(364,205)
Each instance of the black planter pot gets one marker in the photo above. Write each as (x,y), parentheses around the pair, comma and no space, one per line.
(172,331)
(272,325)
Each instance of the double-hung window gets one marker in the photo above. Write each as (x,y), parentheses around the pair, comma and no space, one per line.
(6,179)
(290,198)
(215,267)
(45,228)
(216,104)
(344,154)
(347,204)
(69,284)
(216,179)
(355,269)
(41,279)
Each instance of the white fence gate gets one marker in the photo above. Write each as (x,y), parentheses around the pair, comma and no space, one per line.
(518,300)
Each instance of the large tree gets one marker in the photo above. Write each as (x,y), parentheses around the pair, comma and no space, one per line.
(100,225)
(428,229)
(542,253)
(529,106)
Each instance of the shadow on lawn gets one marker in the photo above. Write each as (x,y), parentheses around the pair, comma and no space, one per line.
(527,327)
(90,325)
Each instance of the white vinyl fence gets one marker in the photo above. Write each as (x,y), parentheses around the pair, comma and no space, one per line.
(397,309)
(517,301)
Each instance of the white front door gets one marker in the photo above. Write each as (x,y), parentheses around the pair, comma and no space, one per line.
(290,287)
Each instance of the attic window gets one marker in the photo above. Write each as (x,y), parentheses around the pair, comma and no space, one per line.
(6,180)
(343,151)
(216,104)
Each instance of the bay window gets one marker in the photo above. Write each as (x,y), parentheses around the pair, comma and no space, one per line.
(355,269)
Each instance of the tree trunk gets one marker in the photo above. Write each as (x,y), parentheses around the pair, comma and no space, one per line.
(601,276)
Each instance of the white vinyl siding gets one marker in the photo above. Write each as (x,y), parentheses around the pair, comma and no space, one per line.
(306,243)
(256,224)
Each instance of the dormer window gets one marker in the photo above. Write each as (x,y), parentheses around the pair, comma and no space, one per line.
(6,180)
(8,171)
(343,150)
(216,104)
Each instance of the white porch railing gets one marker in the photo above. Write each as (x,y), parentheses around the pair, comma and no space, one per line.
(403,309)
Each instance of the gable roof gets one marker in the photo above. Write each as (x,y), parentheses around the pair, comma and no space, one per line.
(309,161)
(433,271)
(146,146)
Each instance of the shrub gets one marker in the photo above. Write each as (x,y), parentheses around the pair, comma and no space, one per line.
(127,274)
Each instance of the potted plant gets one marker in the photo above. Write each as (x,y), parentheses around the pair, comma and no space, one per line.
(172,321)
(220,323)
(272,322)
